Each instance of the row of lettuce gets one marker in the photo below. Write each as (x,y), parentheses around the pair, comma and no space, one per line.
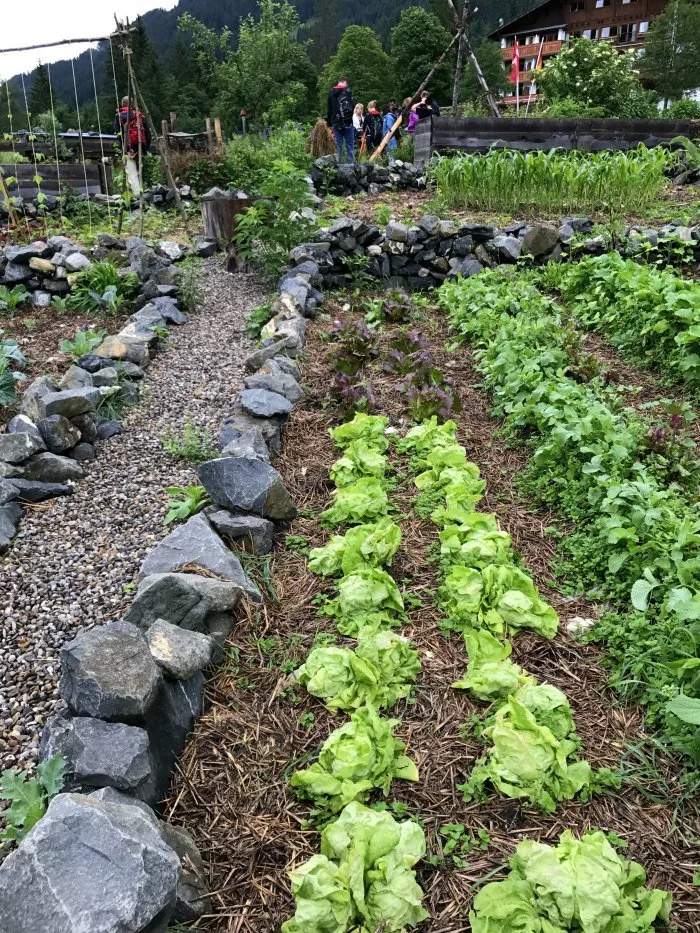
(364,876)
(629,490)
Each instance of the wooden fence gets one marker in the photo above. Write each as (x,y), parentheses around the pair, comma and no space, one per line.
(72,176)
(439,134)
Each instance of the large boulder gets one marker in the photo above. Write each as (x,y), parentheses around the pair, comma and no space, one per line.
(539,240)
(288,346)
(51,468)
(250,532)
(507,247)
(185,599)
(89,866)
(101,754)
(10,517)
(109,673)
(250,443)
(58,433)
(130,349)
(29,490)
(68,402)
(196,544)
(261,403)
(245,485)
(20,424)
(16,447)
(179,653)
(168,308)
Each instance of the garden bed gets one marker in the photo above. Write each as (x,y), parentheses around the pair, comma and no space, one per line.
(233,792)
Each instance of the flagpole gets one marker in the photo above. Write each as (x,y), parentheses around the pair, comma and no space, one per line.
(533,86)
(516,66)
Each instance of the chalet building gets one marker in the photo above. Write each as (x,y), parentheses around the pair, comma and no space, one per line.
(551,24)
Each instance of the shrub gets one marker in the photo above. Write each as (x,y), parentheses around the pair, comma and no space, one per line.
(681,110)
(13,158)
(570,109)
(191,296)
(249,159)
(103,288)
(12,298)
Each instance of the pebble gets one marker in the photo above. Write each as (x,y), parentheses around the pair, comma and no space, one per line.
(68,566)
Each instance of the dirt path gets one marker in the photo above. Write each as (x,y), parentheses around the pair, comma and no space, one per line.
(73,560)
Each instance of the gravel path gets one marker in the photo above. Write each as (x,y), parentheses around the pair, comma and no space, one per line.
(71,564)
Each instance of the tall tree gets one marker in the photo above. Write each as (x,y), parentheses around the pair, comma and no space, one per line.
(361,58)
(670,62)
(417,41)
(325,31)
(39,97)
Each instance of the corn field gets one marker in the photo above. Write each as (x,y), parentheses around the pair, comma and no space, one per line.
(503,180)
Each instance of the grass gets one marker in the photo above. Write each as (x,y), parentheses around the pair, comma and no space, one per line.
(617,183)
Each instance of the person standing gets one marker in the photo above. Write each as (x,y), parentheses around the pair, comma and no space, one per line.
(341,107)
(131,128)
(390,118)
(358,122)
(373,126)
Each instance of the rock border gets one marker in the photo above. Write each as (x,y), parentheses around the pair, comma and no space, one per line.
(134,688)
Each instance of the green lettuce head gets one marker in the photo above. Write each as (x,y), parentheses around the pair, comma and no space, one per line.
(362,595)
(360,459)
(371,545)
(367,428)
(365,499)
(491,675)
(339,677)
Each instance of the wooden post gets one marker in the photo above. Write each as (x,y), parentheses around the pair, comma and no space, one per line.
(210,137)
(164,131)
(220,210)
(173,121)
(244,120)
(219,134)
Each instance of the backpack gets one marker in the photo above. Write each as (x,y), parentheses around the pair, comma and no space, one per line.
(374,128)
(135,130)
(346,107)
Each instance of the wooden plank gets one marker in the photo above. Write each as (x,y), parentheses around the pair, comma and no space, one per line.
(71,176)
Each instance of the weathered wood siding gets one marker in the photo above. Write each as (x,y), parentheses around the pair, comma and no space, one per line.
(439,134)
(71,176)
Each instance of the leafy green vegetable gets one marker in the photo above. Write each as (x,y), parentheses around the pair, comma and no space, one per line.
(580,885)
(29,798)
(355,759)
(476,541)
(359,459)
(491,675)
(428,436)
(367,597)
(363,878)
(362,546)
(498,598)
(365,499)
(528,759)
(368,428)
(380,671)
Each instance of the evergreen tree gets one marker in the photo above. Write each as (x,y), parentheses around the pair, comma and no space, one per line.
(186,94)
(670,63)
(367,66)
(488,54)
(417,41)
(325,31)
(39,97)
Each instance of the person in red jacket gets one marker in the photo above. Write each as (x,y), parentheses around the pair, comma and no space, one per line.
(131,127)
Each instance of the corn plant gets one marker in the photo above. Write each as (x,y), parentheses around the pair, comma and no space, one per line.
(554,181)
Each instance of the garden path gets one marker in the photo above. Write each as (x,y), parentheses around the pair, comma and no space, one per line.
(74,559)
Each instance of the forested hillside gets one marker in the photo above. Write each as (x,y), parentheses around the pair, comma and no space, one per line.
(323,23)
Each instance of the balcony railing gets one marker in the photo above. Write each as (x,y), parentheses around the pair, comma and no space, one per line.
(532,51)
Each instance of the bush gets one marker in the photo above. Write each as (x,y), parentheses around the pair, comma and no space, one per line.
(569,109)
(13,158)
(248,159)
(681,110)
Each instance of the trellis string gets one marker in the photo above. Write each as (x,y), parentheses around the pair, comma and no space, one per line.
(37,177)
(82,145)
(55,143)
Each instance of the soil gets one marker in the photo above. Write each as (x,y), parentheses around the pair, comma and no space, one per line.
(232,790)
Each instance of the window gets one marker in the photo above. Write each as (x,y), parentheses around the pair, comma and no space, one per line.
(629,1)
(586,33)
(599,4)
(577,7)
(643,28)
(628,33)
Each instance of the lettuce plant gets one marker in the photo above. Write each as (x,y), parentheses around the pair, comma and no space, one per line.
(363,878)
(371,545)
(367,593)
(580,885)
(491,675)
(359,459)
(475,541)
(369,428)
(362,500)
(355,759)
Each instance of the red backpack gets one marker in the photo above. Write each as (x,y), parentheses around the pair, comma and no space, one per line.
(132,121)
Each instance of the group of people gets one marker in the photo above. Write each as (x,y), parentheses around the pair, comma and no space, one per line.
(357,130)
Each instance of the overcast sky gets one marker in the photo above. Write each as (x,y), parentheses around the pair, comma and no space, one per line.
(52,20)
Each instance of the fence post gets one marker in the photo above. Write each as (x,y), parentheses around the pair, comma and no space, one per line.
(210,137)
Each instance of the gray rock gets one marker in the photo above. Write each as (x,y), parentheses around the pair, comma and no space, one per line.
(195,544)
(15,274)
(285,347)
(130,370)
(83,452)
(397,232)
(540,239)
(77,262)
(8,491)
(20,424)
(138,332)
(509,247)
(101,754)
(10,517)
(17,447)
(252,533)
(106,377)
(448,228)
(76,378)
(108,673)
(240,423)
(90,866)
(205,247)
(430,224)
(146,318)
(69,402)
(58,433)
(262,403)
(107,429)
(41,299)
(245,485)
(87,425)
(51,468)
(249,444)
(464,267)
(273,379)
(169,723)
(565,233)
(179,653)
(108,241)
(192,901)
(93,363)
(185,599)
(169,310)
(129,348)
(36,250)
(287,365)
(171,250)
(33,491)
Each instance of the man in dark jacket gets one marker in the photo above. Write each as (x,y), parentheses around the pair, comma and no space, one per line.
(339,117)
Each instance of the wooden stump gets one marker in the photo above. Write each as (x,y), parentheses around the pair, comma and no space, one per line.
(220,211)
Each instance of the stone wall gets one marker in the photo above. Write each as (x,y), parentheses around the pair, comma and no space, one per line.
(134,688)
(424,254)
(330,178)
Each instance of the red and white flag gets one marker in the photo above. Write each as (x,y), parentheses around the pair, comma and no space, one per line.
(515,73)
